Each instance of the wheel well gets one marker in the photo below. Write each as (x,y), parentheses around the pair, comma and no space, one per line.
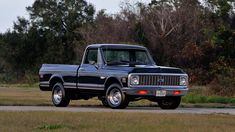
(110,81)
(55,80)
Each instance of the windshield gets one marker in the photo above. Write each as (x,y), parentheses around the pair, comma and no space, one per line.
(129,57)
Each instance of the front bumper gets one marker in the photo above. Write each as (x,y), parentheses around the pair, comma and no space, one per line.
(151,91)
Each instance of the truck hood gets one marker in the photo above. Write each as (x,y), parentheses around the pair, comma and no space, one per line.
(157,69)
(147,69)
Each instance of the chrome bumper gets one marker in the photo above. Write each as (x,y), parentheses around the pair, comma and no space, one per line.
(151,91)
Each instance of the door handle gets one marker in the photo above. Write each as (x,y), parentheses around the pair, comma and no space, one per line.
(82,69)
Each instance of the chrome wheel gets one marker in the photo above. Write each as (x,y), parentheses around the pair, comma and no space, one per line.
(60,97)
(115,97)
(57,95)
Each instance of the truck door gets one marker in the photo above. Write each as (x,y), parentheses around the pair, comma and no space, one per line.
(88,74)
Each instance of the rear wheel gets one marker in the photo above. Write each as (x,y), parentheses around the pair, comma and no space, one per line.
(169,102)
(115,98)
(60,97)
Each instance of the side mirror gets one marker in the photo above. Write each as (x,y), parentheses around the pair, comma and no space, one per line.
(94,64)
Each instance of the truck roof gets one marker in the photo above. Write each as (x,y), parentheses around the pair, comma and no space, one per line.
(128,46)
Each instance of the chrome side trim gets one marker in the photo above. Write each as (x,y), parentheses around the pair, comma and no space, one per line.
(44,84)
(70,84)
(88,88)
(90,85)
(76,85)
(72,87)
(41,85)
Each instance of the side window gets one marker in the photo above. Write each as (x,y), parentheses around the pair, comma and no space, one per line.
(141,57)
(91,56)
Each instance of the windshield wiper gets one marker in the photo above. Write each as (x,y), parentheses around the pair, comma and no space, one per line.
(129,63)
(117,63)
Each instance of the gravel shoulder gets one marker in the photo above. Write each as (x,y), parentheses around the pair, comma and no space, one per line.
(229,111)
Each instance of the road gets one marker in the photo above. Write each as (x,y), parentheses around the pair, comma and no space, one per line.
(129,109)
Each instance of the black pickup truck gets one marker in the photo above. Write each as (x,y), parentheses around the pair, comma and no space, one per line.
(116,74)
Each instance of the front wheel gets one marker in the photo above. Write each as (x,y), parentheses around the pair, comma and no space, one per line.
(59,96)
(115,98)
(169,102)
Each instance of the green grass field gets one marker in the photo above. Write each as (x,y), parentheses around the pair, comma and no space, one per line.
(103,121)
(23,94)
(115,122)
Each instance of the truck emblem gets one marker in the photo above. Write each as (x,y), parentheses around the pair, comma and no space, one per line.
(161,80)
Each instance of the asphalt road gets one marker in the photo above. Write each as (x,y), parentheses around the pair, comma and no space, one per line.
(129,109)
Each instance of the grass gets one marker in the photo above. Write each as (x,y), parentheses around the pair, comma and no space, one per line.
(24,94)
(53,126)
(116,122)
(194,98)
(201,95)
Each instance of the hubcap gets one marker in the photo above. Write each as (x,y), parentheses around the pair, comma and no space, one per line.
(115,97)
(57,95)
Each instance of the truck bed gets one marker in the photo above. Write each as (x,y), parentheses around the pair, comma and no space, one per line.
(67,73)
(58,68)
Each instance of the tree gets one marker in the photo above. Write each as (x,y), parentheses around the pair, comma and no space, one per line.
(47,37)
(109,29)
(220,29)
(56,20)
(20,48)
(169,27)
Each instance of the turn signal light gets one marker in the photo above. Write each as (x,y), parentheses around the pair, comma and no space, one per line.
(41,75)
(142,92)
(177,92)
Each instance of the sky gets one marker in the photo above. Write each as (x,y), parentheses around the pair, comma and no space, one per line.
(10,9)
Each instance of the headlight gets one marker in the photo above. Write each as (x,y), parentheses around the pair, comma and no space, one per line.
(134,80)
(183,80)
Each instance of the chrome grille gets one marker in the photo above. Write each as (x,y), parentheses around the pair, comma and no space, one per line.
(159,80)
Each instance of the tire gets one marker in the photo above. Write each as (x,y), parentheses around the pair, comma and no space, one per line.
(60,97)
(115,98)
(104,102)
(169,102)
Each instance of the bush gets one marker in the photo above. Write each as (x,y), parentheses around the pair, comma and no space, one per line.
(222,86)
(12,77)
(193,98)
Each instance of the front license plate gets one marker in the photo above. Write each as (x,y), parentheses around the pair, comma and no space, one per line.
(161,93)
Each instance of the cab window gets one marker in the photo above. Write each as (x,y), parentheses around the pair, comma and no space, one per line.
(91,56)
